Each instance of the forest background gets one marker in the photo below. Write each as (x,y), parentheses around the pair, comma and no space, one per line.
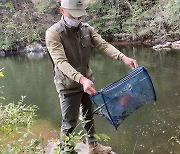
(24,22)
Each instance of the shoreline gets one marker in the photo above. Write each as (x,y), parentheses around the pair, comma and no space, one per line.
(157,45)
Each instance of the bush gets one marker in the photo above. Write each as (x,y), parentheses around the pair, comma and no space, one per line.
(17,27)
(17,119)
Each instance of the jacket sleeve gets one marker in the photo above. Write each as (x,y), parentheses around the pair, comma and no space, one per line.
(104,46)
(57,53)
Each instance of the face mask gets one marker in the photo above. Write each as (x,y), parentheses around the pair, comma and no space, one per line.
(72,22)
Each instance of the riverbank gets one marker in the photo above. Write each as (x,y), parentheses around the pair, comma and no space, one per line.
(36,50)
(127,22)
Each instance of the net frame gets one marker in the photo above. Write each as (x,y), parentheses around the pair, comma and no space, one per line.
(101,102)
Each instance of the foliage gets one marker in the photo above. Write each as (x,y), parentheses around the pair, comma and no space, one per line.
(16,120)
(17,28)
(44,5)
(24,22)
(1,73)
(171,9)
(14,34)
(139,19)
(102,137)
(15,116)
(103,17)
(68,144)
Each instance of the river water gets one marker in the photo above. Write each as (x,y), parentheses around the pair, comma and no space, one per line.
(154,128)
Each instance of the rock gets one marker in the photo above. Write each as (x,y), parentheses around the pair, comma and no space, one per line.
(35,47)
(162,41)
(176,45)
(33,51)
(122,36)
(2,53)
(166,46)
(84,149)
(49,149)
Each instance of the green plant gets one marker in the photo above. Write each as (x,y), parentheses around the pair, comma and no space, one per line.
(7,5)
(42,6)
(17,27)
(68,144)
(16,120)
(102,137)
(15,34)
(97,23)
(13,118)
(172,8)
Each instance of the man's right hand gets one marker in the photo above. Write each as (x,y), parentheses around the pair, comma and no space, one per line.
(88,85)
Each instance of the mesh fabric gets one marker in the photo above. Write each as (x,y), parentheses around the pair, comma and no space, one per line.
(120,99)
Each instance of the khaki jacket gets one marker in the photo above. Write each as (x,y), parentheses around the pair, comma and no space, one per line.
(70,49)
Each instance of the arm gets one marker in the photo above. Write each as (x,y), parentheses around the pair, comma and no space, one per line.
(129,61)
(59,58)
(110,50)
(58,55)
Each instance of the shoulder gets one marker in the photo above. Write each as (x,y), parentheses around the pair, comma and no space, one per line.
(52,32)
(86,26)
(57,27)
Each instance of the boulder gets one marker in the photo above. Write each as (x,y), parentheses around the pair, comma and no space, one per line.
(34,47)
(34,51)
(166,46)
(161,41)
(2,53)
(52,145)
(176,45)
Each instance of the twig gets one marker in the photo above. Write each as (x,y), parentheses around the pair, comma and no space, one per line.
(1,69)
(97,109)
(135,145)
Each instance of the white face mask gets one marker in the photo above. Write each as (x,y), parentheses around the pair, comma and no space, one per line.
(72,22)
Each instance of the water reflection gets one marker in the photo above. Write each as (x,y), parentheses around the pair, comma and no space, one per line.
(33,55)
(152,129)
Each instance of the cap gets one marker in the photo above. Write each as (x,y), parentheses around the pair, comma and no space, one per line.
(75,7)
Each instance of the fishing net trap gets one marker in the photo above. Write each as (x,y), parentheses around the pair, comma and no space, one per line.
(123,97)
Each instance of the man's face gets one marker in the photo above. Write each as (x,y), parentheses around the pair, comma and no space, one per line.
(67,14)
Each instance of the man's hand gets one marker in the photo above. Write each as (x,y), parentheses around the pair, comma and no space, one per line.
(88,85)
(129,61)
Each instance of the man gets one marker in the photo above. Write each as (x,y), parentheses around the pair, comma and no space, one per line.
(70,43)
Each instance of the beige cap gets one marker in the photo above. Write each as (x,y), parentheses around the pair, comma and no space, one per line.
(75,7)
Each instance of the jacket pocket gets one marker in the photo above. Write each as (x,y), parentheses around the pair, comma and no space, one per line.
(86,41)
